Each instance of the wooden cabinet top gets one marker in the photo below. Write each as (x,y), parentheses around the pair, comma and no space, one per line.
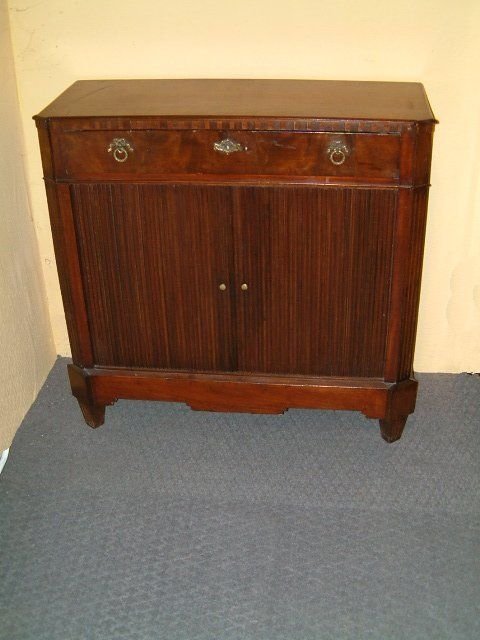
(316,99)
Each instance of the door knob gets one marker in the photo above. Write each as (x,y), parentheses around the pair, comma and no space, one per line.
(244,287)
(222,286)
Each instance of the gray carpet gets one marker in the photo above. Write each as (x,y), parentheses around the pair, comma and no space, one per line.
(171,524)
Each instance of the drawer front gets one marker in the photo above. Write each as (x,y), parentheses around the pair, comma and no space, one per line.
(151,154)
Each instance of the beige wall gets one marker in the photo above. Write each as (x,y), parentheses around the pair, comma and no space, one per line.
(26,342)
(432,41)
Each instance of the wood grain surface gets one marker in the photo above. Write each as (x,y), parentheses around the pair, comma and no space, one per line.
(255,98)
(83,155)
(255,281)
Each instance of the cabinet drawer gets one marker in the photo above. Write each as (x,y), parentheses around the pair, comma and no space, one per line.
(151,154)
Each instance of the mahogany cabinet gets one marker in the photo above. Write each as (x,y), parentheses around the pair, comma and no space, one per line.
(240,245)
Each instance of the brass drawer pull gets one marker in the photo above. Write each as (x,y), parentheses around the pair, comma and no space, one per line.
(227,145)
(338,152)
(120,148)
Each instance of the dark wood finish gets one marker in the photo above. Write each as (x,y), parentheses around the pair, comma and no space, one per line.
(244,392)
(93,414)
(400,404)
(406,279)
(153,258)
(175,123)
(69,272)
(81,155)
(423,153)
(330,99)
(317,263)
(92,410)
(392,429)
(153,252)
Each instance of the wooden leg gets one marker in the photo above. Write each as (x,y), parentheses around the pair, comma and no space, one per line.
(400,404)
(80,382)
(391,429)
(94,414)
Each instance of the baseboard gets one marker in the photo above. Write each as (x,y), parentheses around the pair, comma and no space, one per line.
(3,459)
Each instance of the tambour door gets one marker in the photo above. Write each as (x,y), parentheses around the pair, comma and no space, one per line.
(154,259)
(313,273)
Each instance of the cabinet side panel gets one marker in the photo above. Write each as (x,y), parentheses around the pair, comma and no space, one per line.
(153,258)
(423,154)
(412,293)
(406,281)
(45,148)
(317,262)
(69,272)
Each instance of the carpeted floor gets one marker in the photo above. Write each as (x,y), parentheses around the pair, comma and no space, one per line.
(176,525)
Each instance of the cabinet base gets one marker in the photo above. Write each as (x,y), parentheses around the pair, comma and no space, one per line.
(390,403)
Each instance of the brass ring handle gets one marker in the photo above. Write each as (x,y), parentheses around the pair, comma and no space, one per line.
(120,154)
(120,148)
(227,146)
(337,152)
